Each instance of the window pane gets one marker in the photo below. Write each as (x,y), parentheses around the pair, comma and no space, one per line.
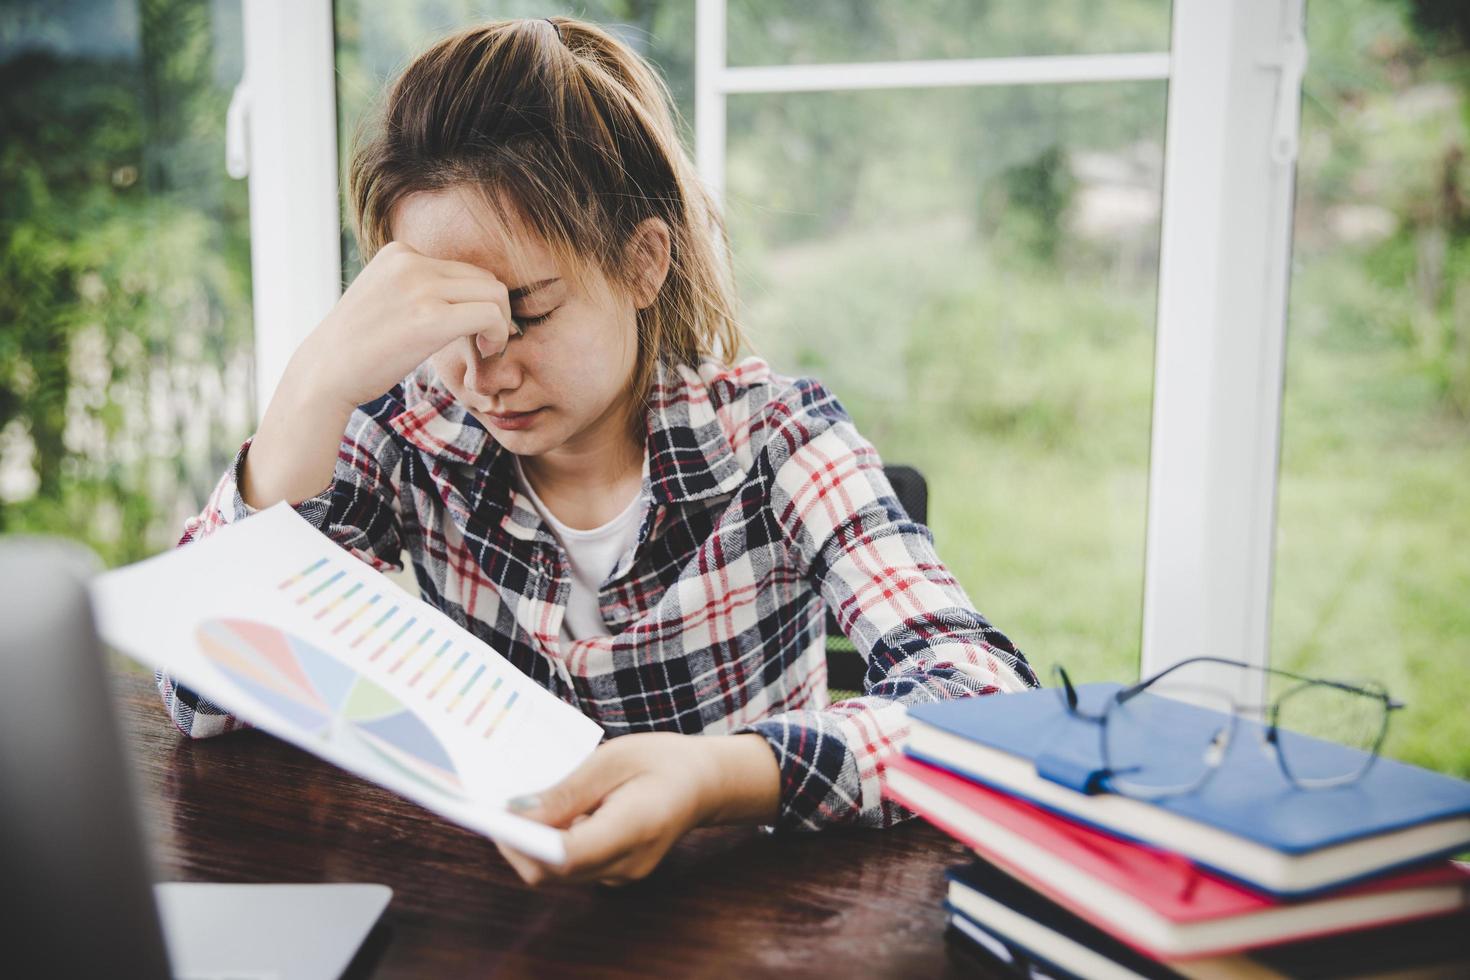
(761,32)
(1372,563)
(126,368)
(973,273)
(375,41)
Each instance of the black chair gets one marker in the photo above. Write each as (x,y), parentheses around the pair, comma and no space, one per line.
(845,666)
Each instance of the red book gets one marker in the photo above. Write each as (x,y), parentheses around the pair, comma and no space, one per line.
(1154,900)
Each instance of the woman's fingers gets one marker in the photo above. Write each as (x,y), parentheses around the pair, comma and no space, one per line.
(580,793)
(596,846)
(463,270)
(532,872)
(467,290)
(448,280)
(456,320)
(620,810)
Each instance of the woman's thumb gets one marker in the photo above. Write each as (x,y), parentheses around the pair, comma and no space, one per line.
(574,796)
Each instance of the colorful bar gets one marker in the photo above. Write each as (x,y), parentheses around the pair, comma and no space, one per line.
(394,638)
(373,628)
(467,685)
(312,594)
(322,612)
(448,673)
(417,646)
(364,608)
(503,712)
(485,700)
(302,574)
(432,660)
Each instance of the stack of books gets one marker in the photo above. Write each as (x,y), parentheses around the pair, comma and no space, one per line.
(1245,876)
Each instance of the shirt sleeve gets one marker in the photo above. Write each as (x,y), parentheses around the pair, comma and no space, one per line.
(358,510)
(877,570)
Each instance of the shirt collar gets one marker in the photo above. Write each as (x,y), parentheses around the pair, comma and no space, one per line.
(437,424)
(689,452)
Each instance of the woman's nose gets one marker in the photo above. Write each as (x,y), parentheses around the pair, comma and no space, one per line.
(489,375)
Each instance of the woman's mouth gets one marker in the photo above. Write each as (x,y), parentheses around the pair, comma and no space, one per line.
(513,420)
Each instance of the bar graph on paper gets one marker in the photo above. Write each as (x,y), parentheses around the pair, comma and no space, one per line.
(292,633)
(380,628)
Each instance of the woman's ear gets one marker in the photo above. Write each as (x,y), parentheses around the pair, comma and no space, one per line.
(649,254)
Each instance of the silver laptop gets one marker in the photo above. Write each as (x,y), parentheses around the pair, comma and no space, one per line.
(78,894)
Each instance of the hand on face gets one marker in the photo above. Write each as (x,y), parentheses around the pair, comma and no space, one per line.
(402,308)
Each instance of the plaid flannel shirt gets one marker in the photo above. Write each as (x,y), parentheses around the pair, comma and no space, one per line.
(764,503)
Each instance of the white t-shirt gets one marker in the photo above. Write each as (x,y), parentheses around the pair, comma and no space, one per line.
(592,555)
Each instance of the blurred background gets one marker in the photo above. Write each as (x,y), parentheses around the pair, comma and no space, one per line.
(972,271)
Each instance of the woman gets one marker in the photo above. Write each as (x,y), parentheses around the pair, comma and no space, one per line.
(529,390)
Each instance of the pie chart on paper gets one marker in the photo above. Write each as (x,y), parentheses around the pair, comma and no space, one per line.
(310,688)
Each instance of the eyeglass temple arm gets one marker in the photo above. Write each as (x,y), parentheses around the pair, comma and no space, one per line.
(1060,673)
(1130,692)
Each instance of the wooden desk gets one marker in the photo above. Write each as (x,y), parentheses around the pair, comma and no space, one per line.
(726,902)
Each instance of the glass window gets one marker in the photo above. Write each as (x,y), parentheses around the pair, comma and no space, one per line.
(973,272)
(1372,564)
(763,32)
(126,365)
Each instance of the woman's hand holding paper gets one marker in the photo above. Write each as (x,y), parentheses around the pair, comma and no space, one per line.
(624,807)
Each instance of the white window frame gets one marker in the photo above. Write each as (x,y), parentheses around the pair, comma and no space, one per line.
(284,119)
(1225,252)
(1234,71)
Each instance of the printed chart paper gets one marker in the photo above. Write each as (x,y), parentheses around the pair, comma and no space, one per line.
(271,620)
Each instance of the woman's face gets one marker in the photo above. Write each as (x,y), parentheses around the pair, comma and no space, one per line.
(565,383)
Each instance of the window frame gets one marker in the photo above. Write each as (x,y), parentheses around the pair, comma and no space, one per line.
(1234,72)
(1233,120)
(284,114)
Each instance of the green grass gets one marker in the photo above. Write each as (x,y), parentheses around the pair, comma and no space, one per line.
(1373,568)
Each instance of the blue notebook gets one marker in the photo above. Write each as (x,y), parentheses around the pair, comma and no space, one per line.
(1247,822)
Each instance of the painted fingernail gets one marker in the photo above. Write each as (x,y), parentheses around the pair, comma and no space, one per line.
(520,804)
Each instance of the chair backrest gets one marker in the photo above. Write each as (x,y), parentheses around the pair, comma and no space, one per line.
(845,666)
(912,491)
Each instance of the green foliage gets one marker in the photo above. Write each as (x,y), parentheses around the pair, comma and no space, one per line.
(1028,204)
(1386,123)
(777,32)
(124,284)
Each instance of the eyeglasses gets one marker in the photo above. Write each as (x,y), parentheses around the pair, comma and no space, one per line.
(1148,754)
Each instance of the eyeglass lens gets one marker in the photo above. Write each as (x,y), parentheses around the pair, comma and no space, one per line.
(1333,714)
(1167,741)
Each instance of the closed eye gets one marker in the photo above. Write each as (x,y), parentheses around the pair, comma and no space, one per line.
(530,321)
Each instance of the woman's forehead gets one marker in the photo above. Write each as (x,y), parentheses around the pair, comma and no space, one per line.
(458,225)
